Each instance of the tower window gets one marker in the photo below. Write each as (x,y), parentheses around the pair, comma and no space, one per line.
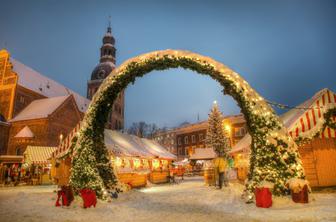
(186,140)
(193,139)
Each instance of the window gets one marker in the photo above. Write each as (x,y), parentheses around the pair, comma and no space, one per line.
(22,99)
(179,141)
(19,151)
(193,139)
(172,142)
(200,137)
(186,140)
(180,151)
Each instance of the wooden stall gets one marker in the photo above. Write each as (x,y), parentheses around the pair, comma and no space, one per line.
(319,161)
(36,161)
(134,160)
(61,170)
(316,140)
(159,171)
(206,156)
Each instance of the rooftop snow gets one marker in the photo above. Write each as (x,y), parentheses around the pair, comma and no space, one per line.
(129,145)
(41,84)
(203,154)
(25,133)
(40,108)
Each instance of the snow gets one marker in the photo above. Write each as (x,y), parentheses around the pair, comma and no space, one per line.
(203,154)
(25,133)
(41,84)
(190,200)
(154,148)
(40,108)
(123,144)
(297,184)
(243,144)
(265,184)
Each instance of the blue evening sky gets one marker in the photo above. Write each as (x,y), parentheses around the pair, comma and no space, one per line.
(285,49)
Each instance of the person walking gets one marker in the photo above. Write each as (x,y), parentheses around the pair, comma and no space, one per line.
(220,167)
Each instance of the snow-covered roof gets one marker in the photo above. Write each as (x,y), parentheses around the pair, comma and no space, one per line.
(154,148)
(40,108)
(122,144)
(242,145)
(25,133)
(203,154)
(302,122)
(38,154)
(307,122)
(31,79)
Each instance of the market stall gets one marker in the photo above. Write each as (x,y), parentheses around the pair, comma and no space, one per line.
(159,172)
(37,164)
(11,171)
(312,126)
(203,159)
(134,159)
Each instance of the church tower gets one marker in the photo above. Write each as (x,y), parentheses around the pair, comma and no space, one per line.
(100,72)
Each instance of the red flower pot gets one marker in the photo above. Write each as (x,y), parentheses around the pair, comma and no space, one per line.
(89,197)
(301,196)
(263,197)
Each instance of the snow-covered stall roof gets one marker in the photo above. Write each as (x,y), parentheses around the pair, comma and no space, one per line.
(203,154)
(38,154)
(306,123)
(25,133)
(154,148)
(303,123)
(122,144)
(40,108)
(41,84)
(243,145)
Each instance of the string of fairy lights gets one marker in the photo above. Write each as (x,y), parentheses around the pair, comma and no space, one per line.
(283,106)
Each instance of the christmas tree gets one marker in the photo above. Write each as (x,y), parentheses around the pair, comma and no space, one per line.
(215,135)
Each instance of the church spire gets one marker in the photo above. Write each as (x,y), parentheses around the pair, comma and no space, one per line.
(109,29)
(107,51)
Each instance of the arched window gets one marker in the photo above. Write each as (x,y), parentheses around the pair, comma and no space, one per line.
(19,151)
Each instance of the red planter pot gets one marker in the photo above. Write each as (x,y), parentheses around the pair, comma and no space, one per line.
(89,197)
(263,197)
(302,196)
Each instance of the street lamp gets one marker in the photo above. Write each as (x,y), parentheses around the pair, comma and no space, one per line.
(61,137)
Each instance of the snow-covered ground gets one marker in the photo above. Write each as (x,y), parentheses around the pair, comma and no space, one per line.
(190,200)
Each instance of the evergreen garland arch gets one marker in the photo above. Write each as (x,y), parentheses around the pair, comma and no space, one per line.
(274,154)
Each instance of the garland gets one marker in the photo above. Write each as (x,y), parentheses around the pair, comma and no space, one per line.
(274,155)
(328,122)
(328,116)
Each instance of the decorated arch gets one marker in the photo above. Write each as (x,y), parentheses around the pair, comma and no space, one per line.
(274,154)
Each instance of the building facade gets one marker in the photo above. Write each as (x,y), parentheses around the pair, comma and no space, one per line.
(34,109)
(101,71)
(4,133)
(167,139)
(37,126)
(183,141)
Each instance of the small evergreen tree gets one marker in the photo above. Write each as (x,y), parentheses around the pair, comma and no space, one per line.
(215,137)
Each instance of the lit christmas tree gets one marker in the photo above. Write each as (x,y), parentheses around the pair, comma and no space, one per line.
(215,135)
